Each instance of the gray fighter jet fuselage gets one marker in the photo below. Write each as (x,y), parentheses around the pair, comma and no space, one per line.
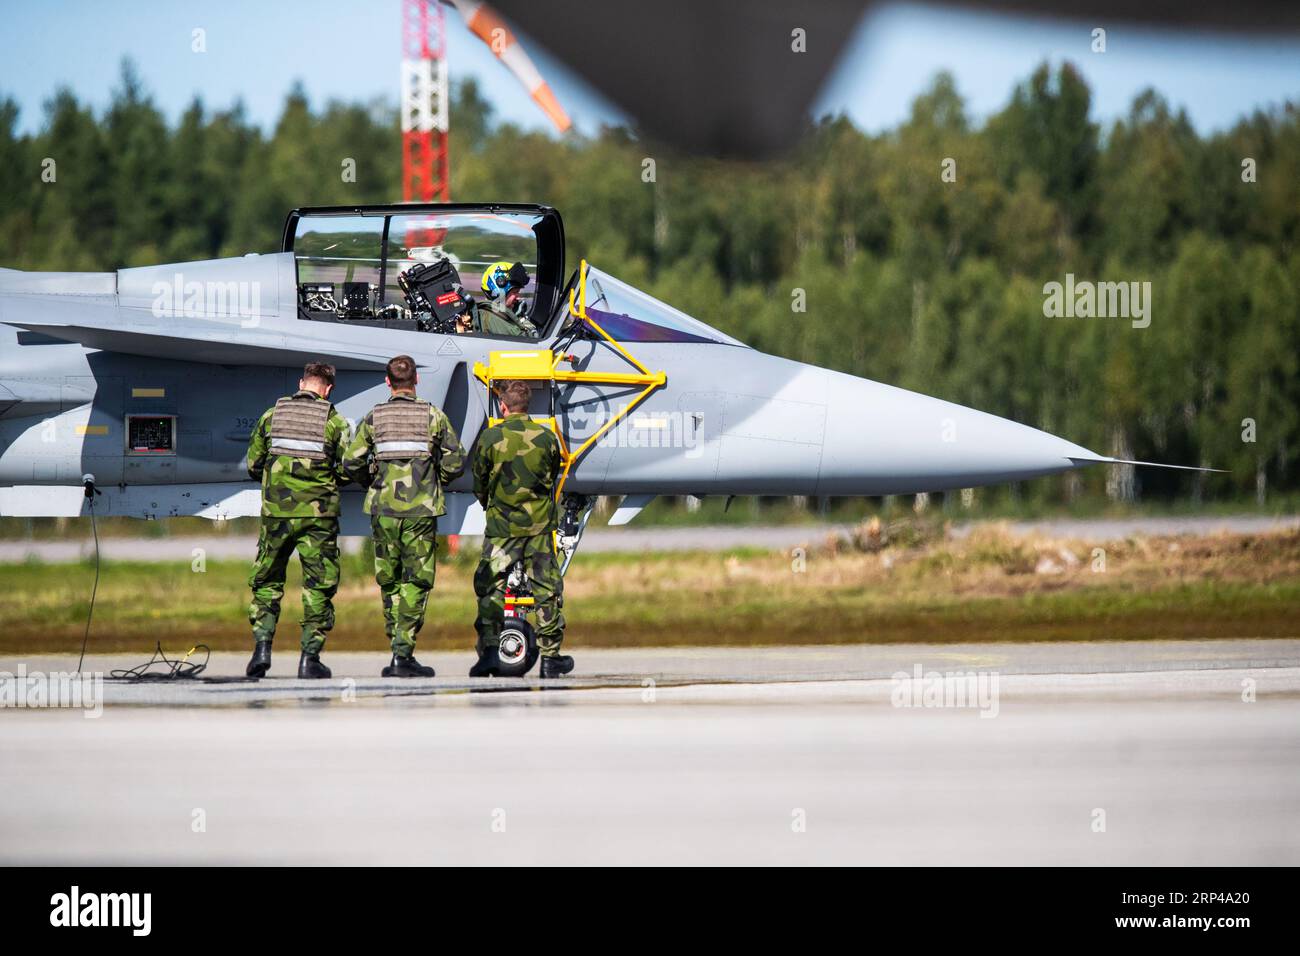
(151,379)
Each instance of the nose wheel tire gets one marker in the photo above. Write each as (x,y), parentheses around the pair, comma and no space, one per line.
(516,648)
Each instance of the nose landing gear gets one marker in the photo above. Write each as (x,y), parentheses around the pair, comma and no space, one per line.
(516,642)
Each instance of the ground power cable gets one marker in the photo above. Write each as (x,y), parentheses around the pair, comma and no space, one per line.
(88,482)
(182,669)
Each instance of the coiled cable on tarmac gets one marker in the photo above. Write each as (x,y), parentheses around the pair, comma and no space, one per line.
(181,669)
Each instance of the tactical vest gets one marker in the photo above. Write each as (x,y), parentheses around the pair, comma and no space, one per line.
(402,430)
(298,427)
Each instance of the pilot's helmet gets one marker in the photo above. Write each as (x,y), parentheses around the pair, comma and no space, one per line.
(500,277)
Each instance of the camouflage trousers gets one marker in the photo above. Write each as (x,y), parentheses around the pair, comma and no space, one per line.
(538,554)
(317,542)
(406,550)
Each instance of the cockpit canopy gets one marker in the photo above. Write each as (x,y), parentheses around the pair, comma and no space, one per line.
(349,259)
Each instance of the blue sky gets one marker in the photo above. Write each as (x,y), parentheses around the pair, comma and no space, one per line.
(350,50)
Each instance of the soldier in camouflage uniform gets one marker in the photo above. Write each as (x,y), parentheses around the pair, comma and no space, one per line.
(516,465)
(404,452)
(296,452)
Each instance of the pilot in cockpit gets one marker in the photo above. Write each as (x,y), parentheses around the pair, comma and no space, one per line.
(503,310)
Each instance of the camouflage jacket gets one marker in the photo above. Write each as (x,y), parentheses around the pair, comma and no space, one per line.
(498,320)
(295,487)
(516,465)
(409,487)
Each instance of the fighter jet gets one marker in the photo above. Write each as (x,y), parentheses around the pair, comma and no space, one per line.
(146,382)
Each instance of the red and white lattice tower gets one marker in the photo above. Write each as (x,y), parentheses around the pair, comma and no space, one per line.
(425,92)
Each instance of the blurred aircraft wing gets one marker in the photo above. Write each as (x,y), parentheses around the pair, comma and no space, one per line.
(721,77)
(702,75)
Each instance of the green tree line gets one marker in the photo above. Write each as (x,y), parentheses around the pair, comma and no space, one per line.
(917,257)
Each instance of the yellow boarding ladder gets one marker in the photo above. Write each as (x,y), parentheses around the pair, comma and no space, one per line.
(543,365)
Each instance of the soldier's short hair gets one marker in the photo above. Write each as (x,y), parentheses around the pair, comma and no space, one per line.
(320,371)
(401,371)
(514,394)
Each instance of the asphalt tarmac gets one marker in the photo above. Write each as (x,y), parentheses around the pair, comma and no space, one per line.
(1094,753)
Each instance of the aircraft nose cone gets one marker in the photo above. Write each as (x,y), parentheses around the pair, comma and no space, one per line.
(886,440)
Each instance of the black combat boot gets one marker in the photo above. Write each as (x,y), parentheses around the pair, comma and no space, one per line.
(486,665)
(260,662)
(556,666)
(310,667)
(406,667)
